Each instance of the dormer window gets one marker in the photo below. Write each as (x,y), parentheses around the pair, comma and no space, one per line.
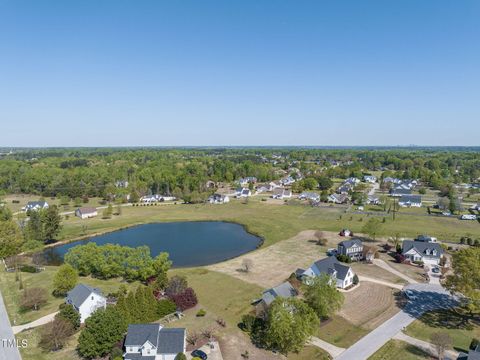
(427,252)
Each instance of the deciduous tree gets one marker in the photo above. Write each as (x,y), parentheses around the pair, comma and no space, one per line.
(323,297)
(64,280)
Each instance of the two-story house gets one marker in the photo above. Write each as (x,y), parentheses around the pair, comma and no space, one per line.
(86,300)
(353,248)
(341,274)
(154,342)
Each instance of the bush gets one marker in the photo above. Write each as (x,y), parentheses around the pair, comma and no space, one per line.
(185,300)
(399,258)
(344,258)
(201,313)
(28,269)
(355,279)
(474,343)
(116,353)
(165,307)
(248,321)
(180,356)
(68,313)
(64,280)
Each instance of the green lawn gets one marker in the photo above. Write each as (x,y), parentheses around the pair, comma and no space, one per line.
(310,353)
(33,352)
(338,331)
(395,349)
(12,294)
(274,222)
(460,328)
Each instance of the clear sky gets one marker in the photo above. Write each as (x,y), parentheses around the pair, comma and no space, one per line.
(249,72)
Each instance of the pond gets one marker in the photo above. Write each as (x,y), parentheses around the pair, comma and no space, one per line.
(188,243)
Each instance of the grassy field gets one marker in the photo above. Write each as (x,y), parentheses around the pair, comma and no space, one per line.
(340,332)
(23,199)
(33,352)
(273,222)
(395,349)
(460,330)
(12,294)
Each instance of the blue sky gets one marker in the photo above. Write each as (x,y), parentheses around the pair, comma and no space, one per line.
(104,73)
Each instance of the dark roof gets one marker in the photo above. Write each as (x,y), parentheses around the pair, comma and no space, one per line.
(171,340)
(80,293)
(138,356)
(285,290)
(87,210)
(421,247)
(472,355)
(401,191)
(411,198)
(138,334)
(349,243)
(331,263)
(35,203)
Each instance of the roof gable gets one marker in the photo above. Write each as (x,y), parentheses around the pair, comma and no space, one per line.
(80,293)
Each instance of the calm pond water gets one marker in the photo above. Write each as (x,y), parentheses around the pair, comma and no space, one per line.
(188,243)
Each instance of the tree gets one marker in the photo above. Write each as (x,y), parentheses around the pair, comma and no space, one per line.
(64,280)
(180,356)
(33,298)
(55,334)
(34,227)
(103,329)
(68,312)
(176,285)
(185,300)
(466,277)
(372,227)
(324,183)
(442,341)
(323,297)
(51,221)
(247,265)
(11,239)
(290,323)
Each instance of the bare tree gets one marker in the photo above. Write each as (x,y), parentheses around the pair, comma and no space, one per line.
(321,238)
(247,265)
(193,338)
(33,298)
(176,285)
(442,341)
(208,333)
(55,334)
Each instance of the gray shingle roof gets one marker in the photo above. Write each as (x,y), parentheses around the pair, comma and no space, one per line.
(422,247)
(80,293)
(400,192)
(171,341)
(349,243)
(138,334)
(411,199)
(285,290)
(331,263)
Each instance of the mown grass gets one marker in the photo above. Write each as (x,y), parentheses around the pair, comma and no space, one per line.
(461,327)
(340,332)
(395,349)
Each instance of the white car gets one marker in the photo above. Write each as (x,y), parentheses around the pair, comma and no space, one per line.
(409,295)
(468,217)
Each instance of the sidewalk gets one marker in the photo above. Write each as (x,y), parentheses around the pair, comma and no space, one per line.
(333,350)
(425,346)
(387,267)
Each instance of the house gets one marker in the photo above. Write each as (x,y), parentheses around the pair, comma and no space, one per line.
(243,192)
(86,212)
(428,252)
(426,238)
(247,180)
(36,205)
(344,189)
(157,198)
(264,188)
(400,192)
(352,181)
(287,181)
(370,179)
(473,354)
(353,248)
(373,200)
(391,180)
(410,201)
(275,184)
(342,274)
(281,193)
(154,342)
(309,196)
(218,199)
(86,300)
(337,198)
(121,184)
(284,290)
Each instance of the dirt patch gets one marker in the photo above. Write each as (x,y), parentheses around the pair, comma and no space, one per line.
(369,305)
(233,346)
(274,264)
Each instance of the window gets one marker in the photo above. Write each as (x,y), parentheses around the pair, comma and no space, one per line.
(92,297)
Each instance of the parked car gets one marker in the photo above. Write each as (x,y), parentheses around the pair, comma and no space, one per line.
(446,213)
(200,354)
(410,295)
(436,270)
(468,217)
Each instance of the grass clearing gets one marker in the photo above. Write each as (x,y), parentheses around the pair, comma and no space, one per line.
(34,352)
(396,349)
(461,328)
(340,332)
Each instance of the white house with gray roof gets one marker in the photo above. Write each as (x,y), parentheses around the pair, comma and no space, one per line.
(352,248)
(410,201)
(428,252)
(342,274)
(154,342)
(86,300)
(36,205)
(285,290)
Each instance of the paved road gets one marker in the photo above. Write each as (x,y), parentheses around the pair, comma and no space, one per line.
(381,282)
(42,321)
(6,334)
(429,297)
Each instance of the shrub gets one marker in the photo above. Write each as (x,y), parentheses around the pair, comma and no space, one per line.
(185,300)
(399,258)
(344,258)
(180,356)
(64,280)
(355,279)
(165,307)
(28,269)
(33,298)
(474,343)
(248,321)
(68,313)
(201,313)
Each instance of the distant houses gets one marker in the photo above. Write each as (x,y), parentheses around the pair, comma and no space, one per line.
(247,180)
(399,192)
(156,198)
(309,196)
(218,199)
(86,300)
(373,200)
(154,342)
(36,205)
(341,274)
(243,192)
(281,193)
(337,198)
(86,212)
(370,179)
(410,201)
(121,184)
